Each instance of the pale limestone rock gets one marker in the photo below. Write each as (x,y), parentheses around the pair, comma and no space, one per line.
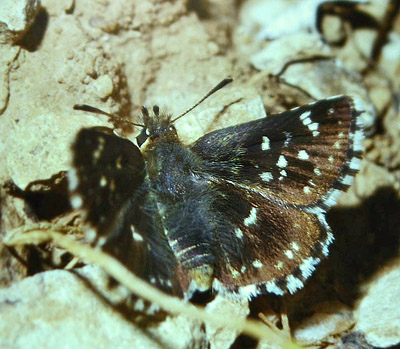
(232,309)
(57,308)
(15,18)
(378,315)
(329,320)
(40,146)
(103,86)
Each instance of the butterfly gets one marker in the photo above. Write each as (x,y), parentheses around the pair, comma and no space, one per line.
(241,211)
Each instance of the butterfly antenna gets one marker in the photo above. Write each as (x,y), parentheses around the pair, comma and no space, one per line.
(90,109)
(222,84)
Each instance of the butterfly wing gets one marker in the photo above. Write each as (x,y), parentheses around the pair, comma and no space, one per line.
(276,177)
(265,245)
(108,181)
(296,156)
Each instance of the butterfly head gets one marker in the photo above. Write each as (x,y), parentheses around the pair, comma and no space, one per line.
(157,126)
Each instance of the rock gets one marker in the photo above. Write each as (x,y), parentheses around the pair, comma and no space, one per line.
(15,18)
(235,309)
(58,308)
(378,315)
(329,320)
(38,155)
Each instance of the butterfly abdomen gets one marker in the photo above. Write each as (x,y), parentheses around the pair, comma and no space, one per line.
(184,206)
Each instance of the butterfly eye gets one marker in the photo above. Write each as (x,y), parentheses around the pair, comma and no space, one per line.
(142,137)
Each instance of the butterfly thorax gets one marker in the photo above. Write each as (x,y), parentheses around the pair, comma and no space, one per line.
(179,195)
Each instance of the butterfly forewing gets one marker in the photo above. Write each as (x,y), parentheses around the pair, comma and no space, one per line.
(296,156)
(108,182)
(102,164)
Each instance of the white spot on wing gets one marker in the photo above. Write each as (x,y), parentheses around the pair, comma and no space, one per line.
(293,284)
(320,213)
(295,246)
(331,198)
(303,155)
(136,236)
(306,190)
(235,273)
(288,139)
(266,176)
(97,153)
(305,115)
(347,180)
(282,162)
(326,243)
(248,291)
(257,264)
(73,180)
(315,133)
(313,126)
(173,244)
(355,164)
(76,201)
(308,266)
(279,265)
(252,218)
(272,287)
(265,144)
(358,138)
(238,233)
(289,254)
(153,309)
(103,181)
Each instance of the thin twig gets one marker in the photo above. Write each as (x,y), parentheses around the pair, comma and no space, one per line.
(141,288)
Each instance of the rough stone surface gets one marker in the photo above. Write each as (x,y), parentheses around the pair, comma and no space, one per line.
(46,150)
(15,18)
(237,309)
(57,308)
(378,316)
(328,320)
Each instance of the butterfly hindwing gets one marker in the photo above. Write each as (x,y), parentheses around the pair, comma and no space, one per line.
(267,246)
